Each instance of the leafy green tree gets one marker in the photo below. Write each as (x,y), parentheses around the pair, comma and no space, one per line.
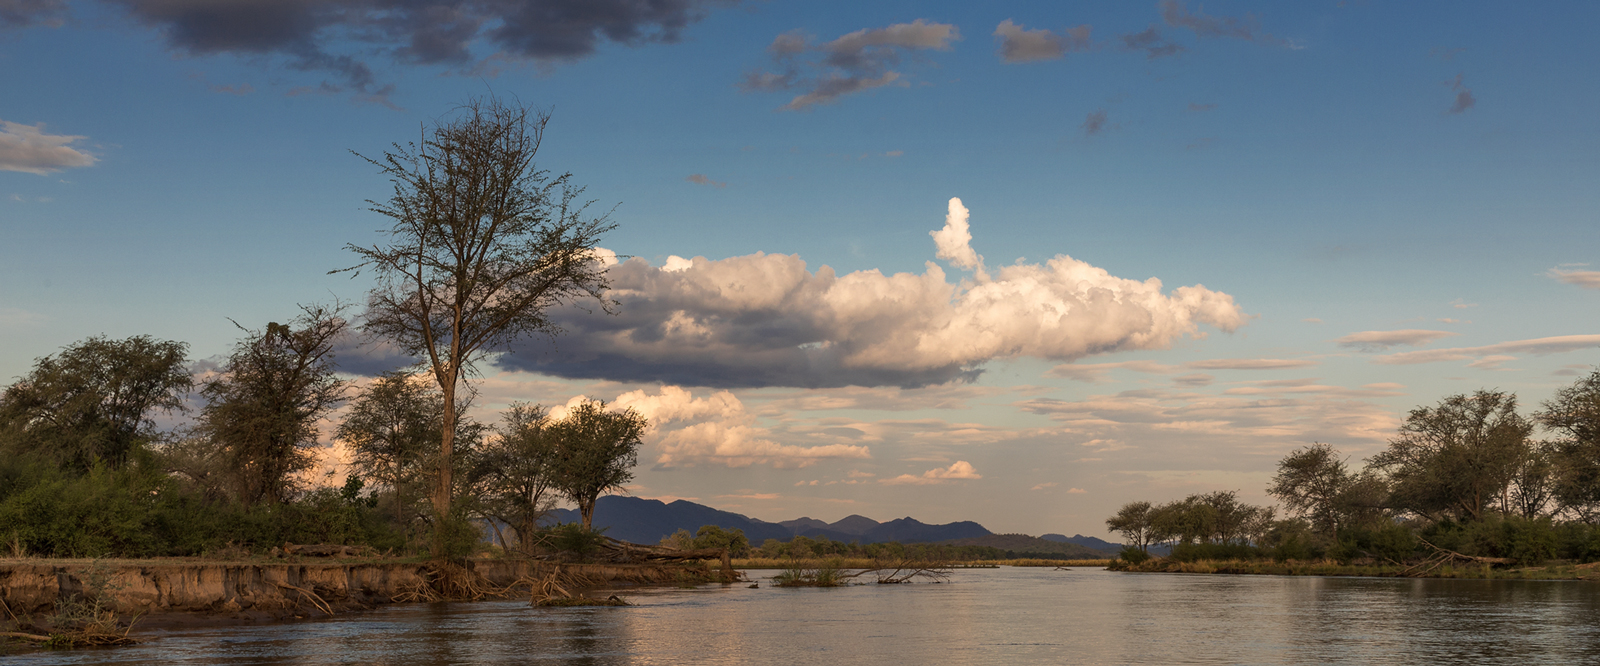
(392,431)
(1133,522)
(1457,458)
(483,244)
(519,469)
(1574,415)
(597,452)
(265,401)
(1310,483)
(713,536)
(94,402)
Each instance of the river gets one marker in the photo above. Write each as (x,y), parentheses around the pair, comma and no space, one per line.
(982,616)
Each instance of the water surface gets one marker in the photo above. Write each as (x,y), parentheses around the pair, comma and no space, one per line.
(982,616)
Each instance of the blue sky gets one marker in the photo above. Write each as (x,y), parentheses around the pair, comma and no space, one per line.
(1358,179)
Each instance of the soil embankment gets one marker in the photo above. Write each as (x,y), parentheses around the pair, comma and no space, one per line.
(279,590)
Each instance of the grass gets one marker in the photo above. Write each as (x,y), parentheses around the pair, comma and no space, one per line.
(1054,563)
(1550,571)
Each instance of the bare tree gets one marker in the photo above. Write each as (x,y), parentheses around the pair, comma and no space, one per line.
(483,244)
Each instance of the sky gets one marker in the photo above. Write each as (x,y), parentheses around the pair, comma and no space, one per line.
(1012,262)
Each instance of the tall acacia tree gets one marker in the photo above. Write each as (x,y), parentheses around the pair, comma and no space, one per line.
(483,244)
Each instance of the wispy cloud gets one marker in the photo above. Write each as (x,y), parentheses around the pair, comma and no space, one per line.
(960,470)
(28,149)
(1095,122)
(1585,279)
(1018,45)
(859,61)
(1246,28)
(1376,341)
(1537,347)
(701,179)
(1464,99)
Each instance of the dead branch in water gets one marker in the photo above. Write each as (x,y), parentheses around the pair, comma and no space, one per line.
(315,600)
(1443,556)
(905,571)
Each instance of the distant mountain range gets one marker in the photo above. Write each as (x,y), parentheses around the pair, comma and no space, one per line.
(648,521)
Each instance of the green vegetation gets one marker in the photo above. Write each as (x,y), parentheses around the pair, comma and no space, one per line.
(1463,489)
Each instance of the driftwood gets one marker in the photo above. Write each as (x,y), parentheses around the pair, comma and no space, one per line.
(1443,556)
(905,571)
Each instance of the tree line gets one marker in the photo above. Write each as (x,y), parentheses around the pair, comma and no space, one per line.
(1466,475)
(85,471)
(482,244)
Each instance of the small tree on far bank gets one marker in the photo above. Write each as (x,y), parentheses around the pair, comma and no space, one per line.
(596,450)
(483,244)
(1132,521)
(517,471)
(393,430)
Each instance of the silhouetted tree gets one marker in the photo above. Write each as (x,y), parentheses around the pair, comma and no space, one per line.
(264,403)
(94,401)
(1457,458)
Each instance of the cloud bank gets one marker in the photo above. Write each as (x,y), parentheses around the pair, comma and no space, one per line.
(859,61)
(337,36)
(766,320)
(28,149)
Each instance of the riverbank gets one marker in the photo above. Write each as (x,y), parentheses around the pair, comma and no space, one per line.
(1550,571)
(167,592)
(864,563)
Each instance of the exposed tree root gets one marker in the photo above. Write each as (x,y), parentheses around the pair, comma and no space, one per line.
(1443,556)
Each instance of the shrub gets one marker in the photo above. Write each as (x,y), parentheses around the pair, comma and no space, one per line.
(1132,555)
(1193,552)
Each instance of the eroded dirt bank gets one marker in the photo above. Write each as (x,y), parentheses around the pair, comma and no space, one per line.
(242,591)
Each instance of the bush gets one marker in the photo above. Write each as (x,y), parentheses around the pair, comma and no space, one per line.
(1132,555)
(1193,552)
(1392,542)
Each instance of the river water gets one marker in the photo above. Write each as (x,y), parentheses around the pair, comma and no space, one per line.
(981,616)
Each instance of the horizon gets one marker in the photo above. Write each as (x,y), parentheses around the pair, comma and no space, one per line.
(1016,264)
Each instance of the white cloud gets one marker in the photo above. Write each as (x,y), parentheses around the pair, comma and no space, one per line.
(716,430)
(765,320)
(1374,341)
(1076,491)
(1537,346)
(1020,45)
(1044,486)
(1585,279)
(959,470)
(28,149)
(955,240)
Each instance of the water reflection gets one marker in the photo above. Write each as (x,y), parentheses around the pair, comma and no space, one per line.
(982,616)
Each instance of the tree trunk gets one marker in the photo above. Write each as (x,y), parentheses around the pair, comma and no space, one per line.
(587,508)
(441,493)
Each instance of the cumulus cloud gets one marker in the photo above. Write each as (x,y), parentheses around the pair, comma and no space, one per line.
(959,470)
(715,430)
(28,149)
(1502,351)
(1021,45)
(1043,486)
(336,36)
(766,320)
(1247,28)
(1151,42)
(25,13)
(1585,279)
(1464,99)
(701,179)
(861,60)
(1376,341)
(955,240)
